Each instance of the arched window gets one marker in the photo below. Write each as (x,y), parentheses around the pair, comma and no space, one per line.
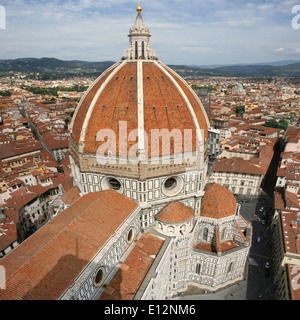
(130,236)
(143,49)
(230,268)
(224,233)
(99,277)
(183,228)
(198,268)
(136,50)
(205,234)
(171,229)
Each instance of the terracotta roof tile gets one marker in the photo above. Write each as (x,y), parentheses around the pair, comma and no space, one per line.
(18,149)
(292,200)
(279,202)
(71,195)
(292,134)
(218,202)
(8,233)
(175,212)
(237,165)
(130,276)
(80,116)
(221,246)
(164,108)
(46,264)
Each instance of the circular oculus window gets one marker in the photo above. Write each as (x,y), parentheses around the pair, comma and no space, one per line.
(99,277)
(114,184)
(130,236)
(172,186)
(111,183)
(170,183)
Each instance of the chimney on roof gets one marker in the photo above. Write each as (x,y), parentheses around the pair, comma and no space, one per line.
(294,224)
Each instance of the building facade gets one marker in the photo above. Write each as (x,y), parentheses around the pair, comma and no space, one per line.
(238,175)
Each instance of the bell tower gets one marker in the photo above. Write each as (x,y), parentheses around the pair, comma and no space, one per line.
(139,40)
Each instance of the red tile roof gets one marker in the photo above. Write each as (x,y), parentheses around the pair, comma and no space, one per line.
(221,247)
(71,195)
(175,212)
(20,198)
(46,264)
(292,134)
(130,276)
(14,149)
(290,231)
(164,108)
(237,165)
(84,106)
(8,233)
(55,142)
(218,202)
(279,201)
(292,200)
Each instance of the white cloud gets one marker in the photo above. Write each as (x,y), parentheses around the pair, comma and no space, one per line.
(212,31)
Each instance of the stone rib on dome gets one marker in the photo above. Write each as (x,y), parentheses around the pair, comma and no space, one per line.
(218,202)
(175,212)
(167,103)
(85,103)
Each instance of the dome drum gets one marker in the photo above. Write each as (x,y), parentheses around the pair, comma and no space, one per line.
(175,219)
(174,230)
(88,163)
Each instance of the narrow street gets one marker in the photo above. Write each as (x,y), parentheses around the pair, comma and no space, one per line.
(259,278)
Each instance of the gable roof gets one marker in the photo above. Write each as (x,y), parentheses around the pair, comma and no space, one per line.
(134,269)
(46,264)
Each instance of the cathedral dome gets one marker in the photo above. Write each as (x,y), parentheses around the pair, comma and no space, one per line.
(139,109)
(218,202)
(143,95)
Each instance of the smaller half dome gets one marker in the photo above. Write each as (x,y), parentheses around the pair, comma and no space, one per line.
(218,202)
(175,212)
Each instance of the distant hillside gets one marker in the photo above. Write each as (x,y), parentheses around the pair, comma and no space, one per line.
(274,64)
(292,70)
(50,68)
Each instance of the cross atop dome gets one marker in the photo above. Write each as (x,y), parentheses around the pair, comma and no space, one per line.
(139,40)
(139,9)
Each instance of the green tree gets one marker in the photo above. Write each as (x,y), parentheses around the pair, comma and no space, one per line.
(272,123)
(283,124)
(6,93)
(240,109)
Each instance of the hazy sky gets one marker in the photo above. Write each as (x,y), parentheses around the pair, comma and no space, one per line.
(198,32)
